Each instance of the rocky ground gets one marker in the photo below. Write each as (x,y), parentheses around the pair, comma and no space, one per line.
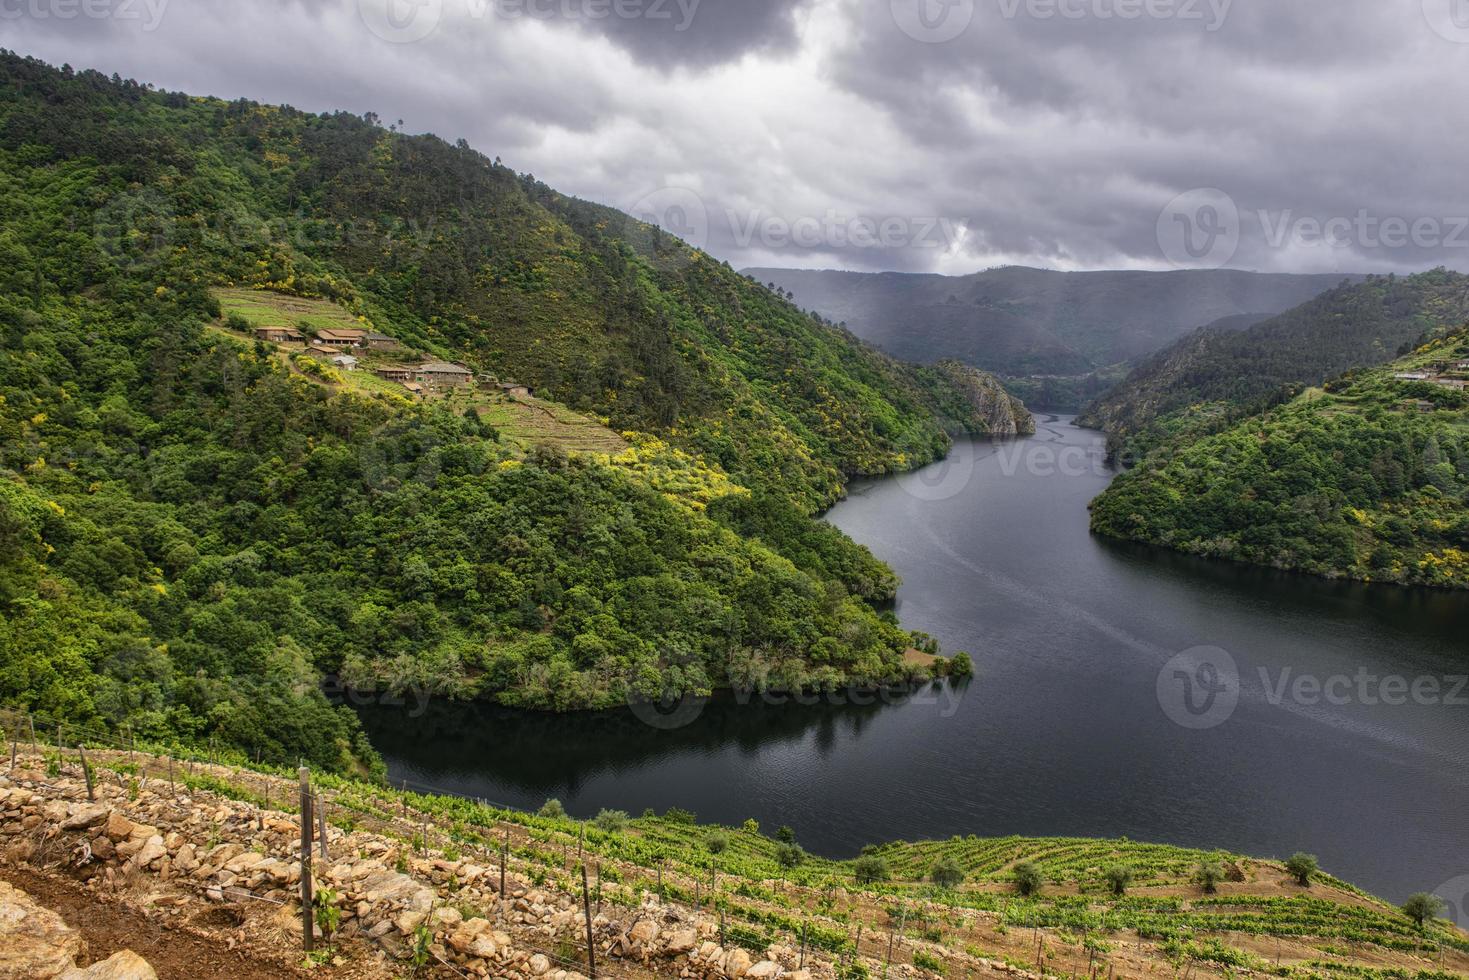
(207,886)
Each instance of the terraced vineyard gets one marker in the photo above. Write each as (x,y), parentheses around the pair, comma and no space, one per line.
(766,891)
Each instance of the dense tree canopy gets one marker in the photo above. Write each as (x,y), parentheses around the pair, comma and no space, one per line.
(192,532)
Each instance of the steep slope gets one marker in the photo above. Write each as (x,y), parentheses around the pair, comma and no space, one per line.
(1367,478)
(1019,321)
(1239,370)
(195,527)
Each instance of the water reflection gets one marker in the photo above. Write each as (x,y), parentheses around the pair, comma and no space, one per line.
(455,745)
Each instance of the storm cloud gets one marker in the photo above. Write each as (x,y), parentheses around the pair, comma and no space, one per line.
(928,135)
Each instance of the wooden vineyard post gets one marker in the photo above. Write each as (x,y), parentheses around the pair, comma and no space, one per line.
(586,903)
(321,825)
(87,774)
(308,938)
(805,926)
(171,790)
(892,937)
(504,858)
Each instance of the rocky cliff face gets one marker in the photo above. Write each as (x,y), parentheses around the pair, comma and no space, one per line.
(1002,412)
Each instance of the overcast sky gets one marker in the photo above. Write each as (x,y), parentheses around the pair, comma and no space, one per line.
(918,135)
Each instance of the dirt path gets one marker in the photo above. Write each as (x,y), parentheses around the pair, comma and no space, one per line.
(108,927)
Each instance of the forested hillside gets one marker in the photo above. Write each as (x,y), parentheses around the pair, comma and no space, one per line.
(192,531)
(1222,373)
(1366,478)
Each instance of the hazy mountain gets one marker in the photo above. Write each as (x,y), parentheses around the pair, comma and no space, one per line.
(1020,321)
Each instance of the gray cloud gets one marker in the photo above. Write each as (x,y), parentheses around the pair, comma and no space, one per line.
(822,133)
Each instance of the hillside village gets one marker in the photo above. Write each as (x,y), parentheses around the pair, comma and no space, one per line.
(1448,374)
(351,349)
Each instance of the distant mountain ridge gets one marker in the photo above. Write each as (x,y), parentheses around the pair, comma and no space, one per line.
(1020,321)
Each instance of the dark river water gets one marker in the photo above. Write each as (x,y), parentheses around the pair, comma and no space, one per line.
(1120,691)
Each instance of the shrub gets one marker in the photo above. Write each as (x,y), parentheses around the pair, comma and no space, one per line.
(1208,875)
(679,815)
(1118,877)
(790,855)
(960,665)
(717,842)
(751,826)
(870,869)
(1028,878)
(785,835)
(1423,908)
(927,961)
(552,808)
(947,873)
(611,821)
(1302,867)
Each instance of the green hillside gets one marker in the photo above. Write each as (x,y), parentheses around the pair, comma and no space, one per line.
(1236,367)
(195,526)
(1366,478)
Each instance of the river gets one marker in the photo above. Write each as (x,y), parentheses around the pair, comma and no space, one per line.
(1119,691)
